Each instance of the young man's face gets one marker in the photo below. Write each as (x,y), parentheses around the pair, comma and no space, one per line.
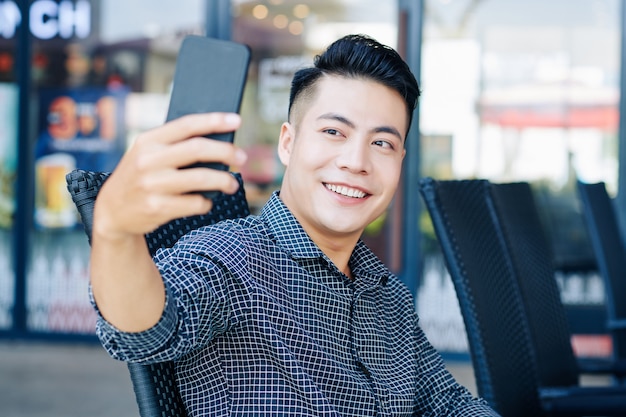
(343,156)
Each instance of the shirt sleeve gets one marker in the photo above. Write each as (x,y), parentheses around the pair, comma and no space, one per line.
(198,306)
(140,346)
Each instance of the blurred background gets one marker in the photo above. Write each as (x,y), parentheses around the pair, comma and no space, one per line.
(512,90)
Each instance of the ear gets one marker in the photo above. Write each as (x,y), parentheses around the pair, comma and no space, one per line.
(285,142)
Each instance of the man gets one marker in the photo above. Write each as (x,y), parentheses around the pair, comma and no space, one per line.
(285,313)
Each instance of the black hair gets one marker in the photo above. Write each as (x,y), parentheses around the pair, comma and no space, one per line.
(356,56)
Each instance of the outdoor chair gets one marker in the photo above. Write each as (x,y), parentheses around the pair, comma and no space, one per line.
(533,263)
(501,343)
(608,246)
(155,386)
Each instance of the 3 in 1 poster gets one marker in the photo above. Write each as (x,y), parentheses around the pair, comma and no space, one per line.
(79,128)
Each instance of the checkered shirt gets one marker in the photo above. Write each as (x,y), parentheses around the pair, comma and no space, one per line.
(261,323)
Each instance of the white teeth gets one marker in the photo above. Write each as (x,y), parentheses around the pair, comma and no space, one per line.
(348,192)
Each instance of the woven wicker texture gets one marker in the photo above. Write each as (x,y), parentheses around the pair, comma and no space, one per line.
(533,263)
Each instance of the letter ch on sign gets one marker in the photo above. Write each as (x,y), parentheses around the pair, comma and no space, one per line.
(48,19)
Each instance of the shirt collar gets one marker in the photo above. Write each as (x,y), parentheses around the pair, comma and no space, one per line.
(365,264)
(290,236)
(287,231)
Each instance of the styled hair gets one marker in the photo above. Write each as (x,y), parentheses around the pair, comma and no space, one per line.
(359,56)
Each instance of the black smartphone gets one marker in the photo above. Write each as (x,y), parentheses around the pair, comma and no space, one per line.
(210,76)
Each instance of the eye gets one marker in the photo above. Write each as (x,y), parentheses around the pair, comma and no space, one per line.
(383,144)
(332,132)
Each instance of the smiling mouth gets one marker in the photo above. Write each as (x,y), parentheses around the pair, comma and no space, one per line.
(346,191)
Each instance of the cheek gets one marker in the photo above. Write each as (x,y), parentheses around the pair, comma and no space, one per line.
(389,181)
(312,154)
(389,168)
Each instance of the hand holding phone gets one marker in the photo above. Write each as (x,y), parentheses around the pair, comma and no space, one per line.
(210,76)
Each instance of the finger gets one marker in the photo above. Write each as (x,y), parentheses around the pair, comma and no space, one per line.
(183,181)
(183,206)
(196,150)
(158,210)
(200,124)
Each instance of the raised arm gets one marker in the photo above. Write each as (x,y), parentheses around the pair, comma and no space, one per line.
(146,190)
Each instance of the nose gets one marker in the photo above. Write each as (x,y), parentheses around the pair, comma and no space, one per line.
(354,156)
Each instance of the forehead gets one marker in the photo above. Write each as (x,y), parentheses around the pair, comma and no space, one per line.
(354,97)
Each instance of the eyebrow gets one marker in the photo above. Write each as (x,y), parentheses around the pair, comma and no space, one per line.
(379,129)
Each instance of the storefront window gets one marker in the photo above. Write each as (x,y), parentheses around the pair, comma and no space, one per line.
(8,172)
(9,103)
(522,91)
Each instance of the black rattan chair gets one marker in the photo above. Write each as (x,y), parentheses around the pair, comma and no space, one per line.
(610,252)
(533,262)
(155,386)
(504,357)
(499,340)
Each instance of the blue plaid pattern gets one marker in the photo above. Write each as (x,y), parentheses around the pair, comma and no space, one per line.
(261,322)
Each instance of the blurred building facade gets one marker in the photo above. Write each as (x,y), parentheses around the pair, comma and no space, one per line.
(512,91)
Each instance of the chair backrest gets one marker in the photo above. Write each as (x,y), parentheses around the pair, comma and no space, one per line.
(476,256)
(608,246)
(155,386)
(533,264)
